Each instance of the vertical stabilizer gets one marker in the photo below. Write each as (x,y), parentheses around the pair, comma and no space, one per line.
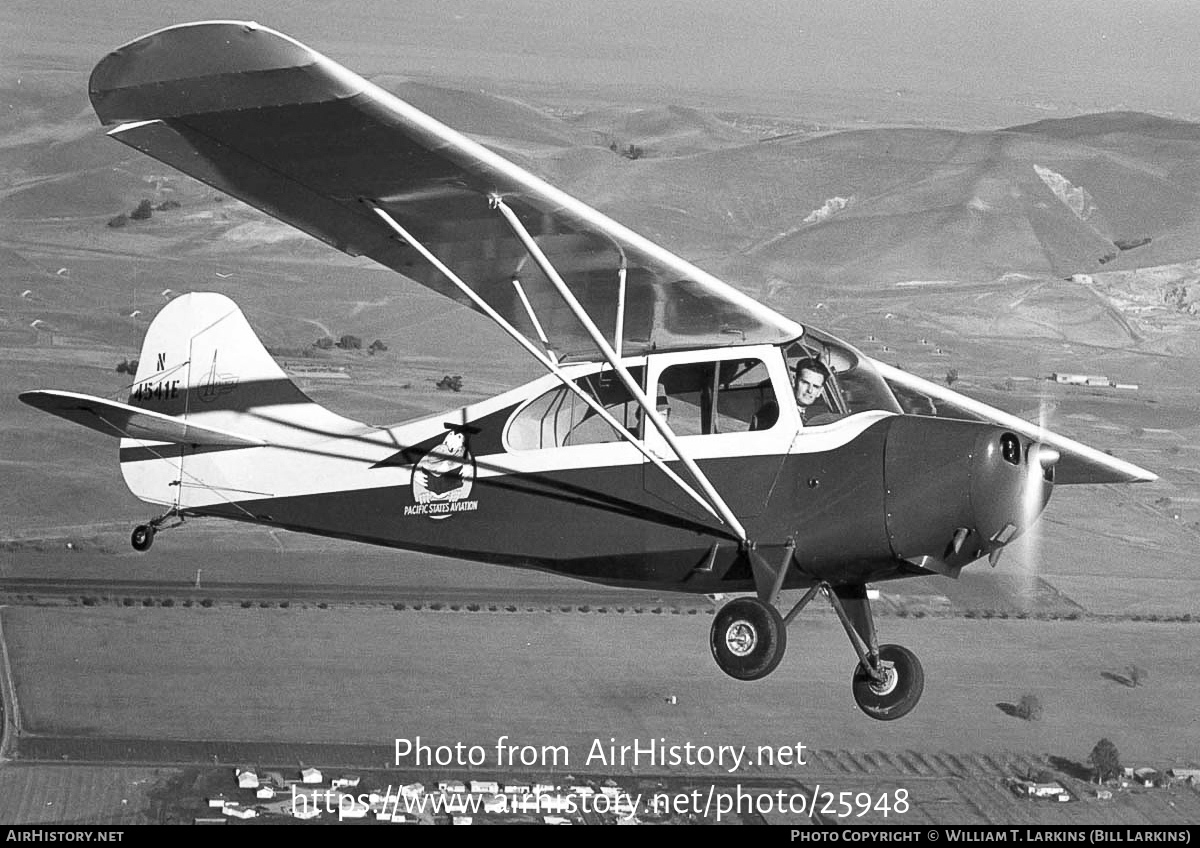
(203,363)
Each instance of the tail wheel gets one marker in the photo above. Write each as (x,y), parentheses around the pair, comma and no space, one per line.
(142,537)
(748,638)
(898,692)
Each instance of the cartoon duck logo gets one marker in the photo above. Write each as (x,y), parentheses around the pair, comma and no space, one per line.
(443,478)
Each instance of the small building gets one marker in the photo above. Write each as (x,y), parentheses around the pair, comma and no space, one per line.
(1046,790)
(310,776)
(264,793)
(1190,775)
(516,789)
(247,779)
(412,790)
(304,812)
(239,812)
(484,787)
(217,802)
(556,820)
(1145,776)
(1079,379)
(454,787)
(350,780)
(462,820)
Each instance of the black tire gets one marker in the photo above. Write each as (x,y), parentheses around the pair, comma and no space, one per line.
(897,696)
(142,537)
(748,638)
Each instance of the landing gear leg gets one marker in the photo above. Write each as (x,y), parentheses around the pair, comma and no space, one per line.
(889,679)
(143,535)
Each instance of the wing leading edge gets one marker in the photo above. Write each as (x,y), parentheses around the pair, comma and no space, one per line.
(287,130)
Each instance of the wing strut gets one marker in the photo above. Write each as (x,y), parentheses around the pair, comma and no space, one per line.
(648,408)
(547,360)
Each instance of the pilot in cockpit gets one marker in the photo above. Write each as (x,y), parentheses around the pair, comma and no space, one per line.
(809,384)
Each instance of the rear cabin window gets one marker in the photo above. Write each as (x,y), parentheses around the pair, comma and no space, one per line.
(705,398)
(560,418)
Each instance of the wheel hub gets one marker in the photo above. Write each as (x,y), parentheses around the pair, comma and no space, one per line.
(741,638)
(885,684)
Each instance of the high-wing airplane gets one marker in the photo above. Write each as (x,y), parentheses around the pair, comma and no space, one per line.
(665,446)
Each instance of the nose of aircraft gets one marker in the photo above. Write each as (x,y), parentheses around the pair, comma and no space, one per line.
(959,490)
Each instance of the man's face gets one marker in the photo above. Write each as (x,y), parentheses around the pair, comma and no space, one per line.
(808,386)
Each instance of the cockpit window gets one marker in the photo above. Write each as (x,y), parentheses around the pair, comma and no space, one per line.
(854,386)
(560,418)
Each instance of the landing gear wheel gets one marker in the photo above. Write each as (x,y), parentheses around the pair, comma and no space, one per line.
(748,638)
(142,537)
(898,692)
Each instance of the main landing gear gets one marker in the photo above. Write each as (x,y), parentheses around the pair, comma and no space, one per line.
(143,535)
(749,637)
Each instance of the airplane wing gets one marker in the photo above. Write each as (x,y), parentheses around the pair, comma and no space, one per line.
(131,422)
(274,123)
(1079,463)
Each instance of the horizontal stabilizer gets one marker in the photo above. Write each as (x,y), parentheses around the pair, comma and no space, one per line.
(124,421)
(1079,463)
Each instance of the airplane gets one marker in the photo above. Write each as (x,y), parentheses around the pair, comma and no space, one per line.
(663,448)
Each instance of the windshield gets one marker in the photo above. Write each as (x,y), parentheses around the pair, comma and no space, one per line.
(854,386)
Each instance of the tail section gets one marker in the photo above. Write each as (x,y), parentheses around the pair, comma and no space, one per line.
(201,363)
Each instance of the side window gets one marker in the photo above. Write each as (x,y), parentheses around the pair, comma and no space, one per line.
(705,398)
(560,418)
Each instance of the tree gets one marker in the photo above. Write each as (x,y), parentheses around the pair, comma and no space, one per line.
(143,211)
(348,342)
(951,376)
(1135,674)
(1105,760)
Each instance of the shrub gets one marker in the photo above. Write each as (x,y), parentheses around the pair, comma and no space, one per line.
(1029,708)
(118,221)
(349,342)
(143,211)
